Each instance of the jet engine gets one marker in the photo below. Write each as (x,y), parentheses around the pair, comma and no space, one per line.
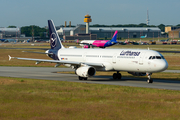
(86,46)
(86,71)
(137,73)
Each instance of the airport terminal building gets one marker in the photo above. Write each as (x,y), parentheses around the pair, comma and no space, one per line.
(79,32)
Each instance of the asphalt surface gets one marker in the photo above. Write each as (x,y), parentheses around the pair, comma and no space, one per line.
(51,74)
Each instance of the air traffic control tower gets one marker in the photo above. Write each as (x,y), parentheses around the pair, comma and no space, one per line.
(87,19)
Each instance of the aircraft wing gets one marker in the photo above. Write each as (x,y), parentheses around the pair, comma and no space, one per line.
(58,61)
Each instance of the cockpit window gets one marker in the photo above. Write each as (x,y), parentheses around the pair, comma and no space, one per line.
(156,57)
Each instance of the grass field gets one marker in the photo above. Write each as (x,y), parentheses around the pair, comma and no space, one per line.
(41,99)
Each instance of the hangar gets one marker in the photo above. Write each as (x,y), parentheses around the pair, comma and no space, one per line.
(9,32)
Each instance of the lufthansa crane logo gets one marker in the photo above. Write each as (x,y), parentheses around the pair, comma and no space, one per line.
(53,39)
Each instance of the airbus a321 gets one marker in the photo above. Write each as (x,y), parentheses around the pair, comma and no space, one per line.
(86,62)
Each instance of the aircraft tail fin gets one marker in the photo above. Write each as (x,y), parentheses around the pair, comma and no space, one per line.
(112,41)
(114,36)
(55,41)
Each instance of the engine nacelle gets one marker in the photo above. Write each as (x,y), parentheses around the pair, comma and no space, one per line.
(47,51)
(86,46)
(137,73)
(86,71)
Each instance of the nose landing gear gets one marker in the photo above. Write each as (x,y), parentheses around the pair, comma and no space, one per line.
(149,78)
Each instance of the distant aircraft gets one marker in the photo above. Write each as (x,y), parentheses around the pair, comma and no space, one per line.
(86,62)
(124,43)
(144,36)
(99,43)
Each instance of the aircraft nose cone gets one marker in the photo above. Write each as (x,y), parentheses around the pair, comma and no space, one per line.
(163,65)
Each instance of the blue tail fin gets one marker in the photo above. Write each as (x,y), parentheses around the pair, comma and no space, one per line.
(55,42)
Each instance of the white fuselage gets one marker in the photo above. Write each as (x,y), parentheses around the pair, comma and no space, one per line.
(90,42)
(130,60)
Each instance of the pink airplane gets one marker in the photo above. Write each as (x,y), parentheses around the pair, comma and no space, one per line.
(99,43)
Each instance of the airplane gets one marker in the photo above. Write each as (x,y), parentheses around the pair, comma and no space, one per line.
(144,36)
(99,43)
(86,62)
(124,43)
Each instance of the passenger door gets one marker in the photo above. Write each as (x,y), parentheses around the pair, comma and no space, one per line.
(142,55)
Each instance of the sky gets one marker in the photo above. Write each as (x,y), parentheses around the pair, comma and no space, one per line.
(105,12)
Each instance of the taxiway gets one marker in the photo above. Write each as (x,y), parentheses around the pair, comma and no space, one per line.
(46,73)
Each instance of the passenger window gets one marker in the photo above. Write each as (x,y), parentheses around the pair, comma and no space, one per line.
(153,57)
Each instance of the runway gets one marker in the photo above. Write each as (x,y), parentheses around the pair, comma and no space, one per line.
(46,73)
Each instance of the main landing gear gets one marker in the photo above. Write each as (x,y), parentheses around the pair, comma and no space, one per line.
(117,75)
(82,78)
(149,78)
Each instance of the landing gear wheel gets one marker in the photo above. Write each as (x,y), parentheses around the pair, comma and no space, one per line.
(115,76)
(119,76)
(80,78)
(150,80)
(85,78)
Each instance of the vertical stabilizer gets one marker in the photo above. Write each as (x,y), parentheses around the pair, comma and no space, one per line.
(114,36)
(55,41)
(112,41)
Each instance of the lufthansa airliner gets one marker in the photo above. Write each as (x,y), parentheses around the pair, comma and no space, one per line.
(86,62)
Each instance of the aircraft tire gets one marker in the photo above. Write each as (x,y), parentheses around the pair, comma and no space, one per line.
(119,76)
(115,76)
(150,80)
(80,78)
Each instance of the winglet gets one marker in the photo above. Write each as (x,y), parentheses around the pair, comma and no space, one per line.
(9,57)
